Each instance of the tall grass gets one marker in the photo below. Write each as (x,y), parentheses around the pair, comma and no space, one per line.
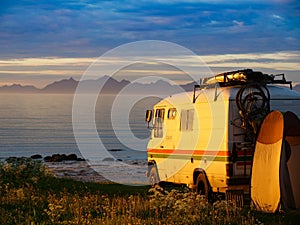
(30,195)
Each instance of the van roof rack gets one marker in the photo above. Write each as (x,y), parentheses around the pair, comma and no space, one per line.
(246,76)
(241,78)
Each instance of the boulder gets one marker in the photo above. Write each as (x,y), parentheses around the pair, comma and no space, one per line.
(72,157)
(47,159)
(37,156)
(62,157)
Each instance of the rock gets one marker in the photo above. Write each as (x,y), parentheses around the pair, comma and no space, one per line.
(72,157)
(56,158)
(37,156)
(62,157)
(47,159)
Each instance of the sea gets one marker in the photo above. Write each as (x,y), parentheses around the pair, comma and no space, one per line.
(42,124)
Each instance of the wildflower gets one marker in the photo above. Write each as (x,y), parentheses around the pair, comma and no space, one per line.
(22,167)
(7,167)
(20,193)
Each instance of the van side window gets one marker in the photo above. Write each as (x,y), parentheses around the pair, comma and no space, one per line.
(172,113)
(158,122)
(186,120)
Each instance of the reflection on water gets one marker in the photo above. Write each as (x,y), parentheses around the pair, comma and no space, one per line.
(42,124)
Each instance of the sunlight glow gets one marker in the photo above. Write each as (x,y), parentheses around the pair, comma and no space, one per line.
(33,70)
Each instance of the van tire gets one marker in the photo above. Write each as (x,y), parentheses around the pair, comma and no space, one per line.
(153,176)
(203,187)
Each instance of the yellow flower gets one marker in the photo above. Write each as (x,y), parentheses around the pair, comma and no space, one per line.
(20,193)
(7,167)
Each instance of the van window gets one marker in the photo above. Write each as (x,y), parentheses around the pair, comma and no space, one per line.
(158,122)
(186,120)
(172,113)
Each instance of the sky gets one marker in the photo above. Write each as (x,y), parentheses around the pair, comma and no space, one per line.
(43,41)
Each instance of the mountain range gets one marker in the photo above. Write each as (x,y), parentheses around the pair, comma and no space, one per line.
(106,84)
(297,87)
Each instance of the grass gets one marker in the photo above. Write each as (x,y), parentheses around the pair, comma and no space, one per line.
(30,195)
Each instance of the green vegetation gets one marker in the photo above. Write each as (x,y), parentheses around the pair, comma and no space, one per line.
(29,194)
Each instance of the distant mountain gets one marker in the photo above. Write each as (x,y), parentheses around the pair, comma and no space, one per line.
(106,84)
(17,88)
(297,87)
(62,86)
(158,87)
(189,86)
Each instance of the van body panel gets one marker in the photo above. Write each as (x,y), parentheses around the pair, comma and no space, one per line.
(207,135)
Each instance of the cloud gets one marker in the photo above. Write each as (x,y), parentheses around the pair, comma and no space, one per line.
(278,60)
(53,61)
(88,28)
(277,17)
(41,71)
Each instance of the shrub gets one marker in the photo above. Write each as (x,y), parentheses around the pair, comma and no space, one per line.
(187,207)
(22,172)
(30,195)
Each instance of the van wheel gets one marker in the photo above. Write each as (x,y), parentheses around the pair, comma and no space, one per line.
(203,186)
(153,176)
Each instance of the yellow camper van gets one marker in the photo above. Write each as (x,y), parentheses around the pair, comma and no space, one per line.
(205,138)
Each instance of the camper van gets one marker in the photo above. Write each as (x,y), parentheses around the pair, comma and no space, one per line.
(205,138)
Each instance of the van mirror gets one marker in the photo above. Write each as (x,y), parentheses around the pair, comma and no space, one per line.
(148,116)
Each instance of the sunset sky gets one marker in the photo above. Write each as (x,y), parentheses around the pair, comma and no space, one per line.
(43,41)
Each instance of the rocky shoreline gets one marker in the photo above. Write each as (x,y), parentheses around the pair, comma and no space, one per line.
(58,157)
(70,166)
(76,170)
(73,167)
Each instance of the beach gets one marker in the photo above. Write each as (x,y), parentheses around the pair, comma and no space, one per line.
(131,172)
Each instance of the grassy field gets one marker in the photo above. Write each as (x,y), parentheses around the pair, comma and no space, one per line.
(31,195)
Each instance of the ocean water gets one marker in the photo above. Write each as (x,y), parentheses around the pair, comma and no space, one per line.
(42,124)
